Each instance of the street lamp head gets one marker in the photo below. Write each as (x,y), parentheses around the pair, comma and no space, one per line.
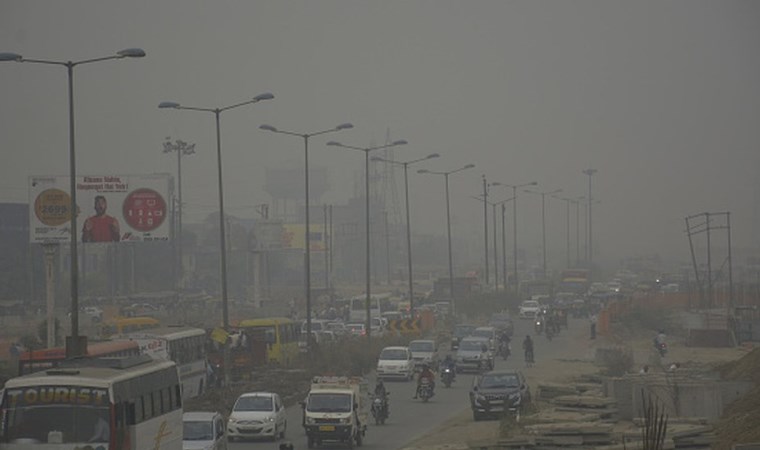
(533,183)
(423,171)
(469,166)
(173,105)
(7,56)
(344,126)
(376,158)
(495,183)
(131,53)
(265,96)
(335,143)
(267,128)
(400,142)
(432,155)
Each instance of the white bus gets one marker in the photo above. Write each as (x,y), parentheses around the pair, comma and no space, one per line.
(358,307)
(131,403)
(185,346)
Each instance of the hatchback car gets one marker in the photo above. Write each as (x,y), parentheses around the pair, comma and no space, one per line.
(498,392)
(203,431)
(257,415)
(395,362)
(529,309)
(474,355)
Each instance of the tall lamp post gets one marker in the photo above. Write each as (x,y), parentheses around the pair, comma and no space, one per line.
(590,173)
(543,195)
(366,151)
(307,258)
(448,224)
(75,345)
(182,148)
(495,241)
(514,225)
(567,226)
(222,238)
(406,165)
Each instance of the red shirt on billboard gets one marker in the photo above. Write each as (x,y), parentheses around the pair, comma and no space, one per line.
(101,227)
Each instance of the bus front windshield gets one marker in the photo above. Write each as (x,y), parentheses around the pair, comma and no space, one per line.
(56,414)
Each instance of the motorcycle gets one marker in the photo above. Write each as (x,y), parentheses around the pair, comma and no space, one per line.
(379,408)
(662,348)
(447,376)
(549,333)
(425,389)
(505,350)
(539,326)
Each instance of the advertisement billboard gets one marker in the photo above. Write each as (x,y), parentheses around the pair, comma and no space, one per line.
(293,237)
(110,208)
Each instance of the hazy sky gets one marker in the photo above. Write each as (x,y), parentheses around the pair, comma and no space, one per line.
(663,98)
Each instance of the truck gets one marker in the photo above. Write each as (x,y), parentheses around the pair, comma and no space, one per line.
(575,281)
(336,410)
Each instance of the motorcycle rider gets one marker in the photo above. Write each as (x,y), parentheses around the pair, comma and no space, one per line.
(504,342)
(425,374)
(659,341)
(449,363)
(383,394)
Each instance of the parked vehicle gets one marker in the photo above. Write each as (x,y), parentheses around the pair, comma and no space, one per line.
(335,411)
(203,431)
(257,415)
(395,362)
(497,392)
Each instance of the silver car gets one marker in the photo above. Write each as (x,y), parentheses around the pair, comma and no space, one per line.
(474,355)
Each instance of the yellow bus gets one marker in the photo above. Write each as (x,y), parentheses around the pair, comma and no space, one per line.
(125,325)
(280,335)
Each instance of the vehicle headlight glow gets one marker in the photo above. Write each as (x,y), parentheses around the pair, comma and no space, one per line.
(345,420)
(271,418)
(310,420)
(232,421)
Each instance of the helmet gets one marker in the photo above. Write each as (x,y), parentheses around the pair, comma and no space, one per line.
(379,382)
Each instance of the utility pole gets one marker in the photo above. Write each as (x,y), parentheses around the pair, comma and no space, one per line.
(485,224)
(590,173)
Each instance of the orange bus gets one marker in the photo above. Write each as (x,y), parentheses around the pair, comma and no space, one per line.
(37,360)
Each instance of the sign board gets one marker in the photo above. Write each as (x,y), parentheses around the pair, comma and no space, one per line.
(110,208)
(293,237)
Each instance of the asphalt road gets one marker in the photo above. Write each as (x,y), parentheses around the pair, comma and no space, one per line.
(411,419)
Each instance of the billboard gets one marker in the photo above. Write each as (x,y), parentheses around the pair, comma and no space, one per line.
(293,237)
(110,208)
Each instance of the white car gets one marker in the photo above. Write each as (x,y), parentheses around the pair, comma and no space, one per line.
(257,415)
(395,362)
(203,431)
(529,309)
(424,352)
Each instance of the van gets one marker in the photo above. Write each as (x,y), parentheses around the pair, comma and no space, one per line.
(203,431)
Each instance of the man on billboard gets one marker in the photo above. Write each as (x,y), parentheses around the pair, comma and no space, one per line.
(101,227)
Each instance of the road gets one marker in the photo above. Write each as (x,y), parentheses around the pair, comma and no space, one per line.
(411,419)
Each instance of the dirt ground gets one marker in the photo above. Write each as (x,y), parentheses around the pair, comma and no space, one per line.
(456,433)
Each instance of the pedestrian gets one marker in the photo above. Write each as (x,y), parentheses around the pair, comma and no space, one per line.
(592,321)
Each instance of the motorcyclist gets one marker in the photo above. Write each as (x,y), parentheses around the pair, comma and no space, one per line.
(528,348)
(425,374)
(383,394)
(504,342)
(449,363)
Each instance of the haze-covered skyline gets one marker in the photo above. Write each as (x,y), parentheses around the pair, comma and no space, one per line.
(661,97)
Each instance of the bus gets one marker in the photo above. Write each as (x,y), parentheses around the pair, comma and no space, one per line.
(358,307)
(185,346)
(36,360)
(131,403)
(125,325)
(280,335)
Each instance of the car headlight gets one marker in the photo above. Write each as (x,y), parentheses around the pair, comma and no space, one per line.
(481,399)
(310,420)
(345,420)
(232,421)
(270,418)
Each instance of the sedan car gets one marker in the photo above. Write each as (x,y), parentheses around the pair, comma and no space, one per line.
(257,415)
(498,392)
(395,362)
(529,309)
(203,431)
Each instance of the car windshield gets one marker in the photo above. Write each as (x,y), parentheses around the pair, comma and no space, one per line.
(499,381)
(530,304)
(395,354)
(253,403)
(198,430)
(421,346)
(329,403)
(472,345)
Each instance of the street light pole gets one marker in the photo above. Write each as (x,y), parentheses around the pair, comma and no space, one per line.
(567,226)
(448,225)
(307,258)
(222,238)
(514,226)
(406,165)
(75,345)
(590,173)
(485,224)
(366,151)
(182,148)
(543,222)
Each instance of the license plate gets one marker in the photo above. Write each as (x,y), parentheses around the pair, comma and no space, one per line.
(327,428)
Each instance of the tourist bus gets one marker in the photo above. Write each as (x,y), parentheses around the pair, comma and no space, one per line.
(125,325)
(185,346)
(129,403)
(36,360)
(280,335)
